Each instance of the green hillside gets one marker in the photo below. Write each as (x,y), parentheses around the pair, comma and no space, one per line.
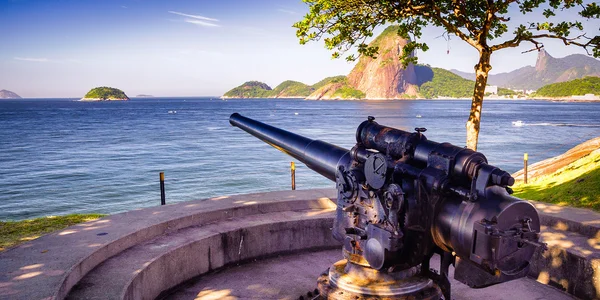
(286,89)
(586,85)
(446,84)
(250,89)
(574,185)
(106,93)
(328,80)
(348,92)
(290,88)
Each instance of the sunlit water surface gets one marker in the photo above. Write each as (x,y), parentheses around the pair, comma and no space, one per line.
(59,156)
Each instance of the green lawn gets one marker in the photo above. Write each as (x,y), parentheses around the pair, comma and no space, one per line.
(13,233)
(577,184)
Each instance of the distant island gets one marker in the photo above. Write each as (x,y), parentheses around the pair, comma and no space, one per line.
(4,94)
(105,94)
(144,96)
(384,78)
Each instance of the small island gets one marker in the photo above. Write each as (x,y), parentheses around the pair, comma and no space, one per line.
(4,94)
(144,96)
(105,94)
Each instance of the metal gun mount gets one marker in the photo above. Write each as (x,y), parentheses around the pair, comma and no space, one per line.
(402,199)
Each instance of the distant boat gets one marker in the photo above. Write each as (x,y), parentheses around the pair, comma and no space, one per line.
(418,116)
(172,111)
(518,123)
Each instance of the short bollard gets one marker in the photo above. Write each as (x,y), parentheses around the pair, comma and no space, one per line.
(162,188)
(525,158)
(293,168)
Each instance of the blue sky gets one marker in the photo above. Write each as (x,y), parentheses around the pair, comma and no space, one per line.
(62,48)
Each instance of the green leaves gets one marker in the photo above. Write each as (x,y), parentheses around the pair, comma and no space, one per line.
(105,93)
(347,24)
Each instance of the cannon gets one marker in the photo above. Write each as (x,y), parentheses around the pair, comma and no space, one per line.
(401,199)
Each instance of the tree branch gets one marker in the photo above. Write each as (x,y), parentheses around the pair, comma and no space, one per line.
(459,12)
(533,39)
(450,27)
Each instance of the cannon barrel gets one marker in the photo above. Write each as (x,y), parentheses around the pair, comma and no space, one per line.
(322,157)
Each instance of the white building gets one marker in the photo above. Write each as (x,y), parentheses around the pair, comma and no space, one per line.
(491,89)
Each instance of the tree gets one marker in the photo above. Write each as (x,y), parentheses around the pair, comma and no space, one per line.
(347,23)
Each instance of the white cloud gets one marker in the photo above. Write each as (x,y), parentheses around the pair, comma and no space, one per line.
(32,59)
(201,23)
(287,11)
(47,60)
(194,16)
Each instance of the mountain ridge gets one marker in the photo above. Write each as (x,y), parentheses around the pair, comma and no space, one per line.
(547,70)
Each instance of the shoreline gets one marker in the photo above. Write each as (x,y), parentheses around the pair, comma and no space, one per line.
(102,99)
(560,99)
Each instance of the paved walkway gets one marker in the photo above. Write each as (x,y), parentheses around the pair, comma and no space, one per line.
(49,267)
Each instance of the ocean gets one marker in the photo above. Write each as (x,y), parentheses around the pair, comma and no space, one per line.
(59,156)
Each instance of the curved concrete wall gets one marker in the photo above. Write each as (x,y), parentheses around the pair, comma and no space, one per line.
(225,248)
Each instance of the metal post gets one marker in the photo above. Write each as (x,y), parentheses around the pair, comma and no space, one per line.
(162,188)
(293,167)
(525,158)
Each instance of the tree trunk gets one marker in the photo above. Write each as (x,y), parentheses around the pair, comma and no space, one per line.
(481,70)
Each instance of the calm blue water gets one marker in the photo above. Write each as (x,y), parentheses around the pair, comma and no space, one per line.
(59,156)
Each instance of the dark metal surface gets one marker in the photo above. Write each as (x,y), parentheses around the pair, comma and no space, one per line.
(320,156)
(402,198)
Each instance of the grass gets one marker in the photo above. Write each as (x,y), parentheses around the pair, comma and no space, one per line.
(13,233)
(577,184)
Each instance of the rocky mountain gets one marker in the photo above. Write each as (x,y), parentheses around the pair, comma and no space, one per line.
(4,94)
(547,70)
(372,78)
(383,77)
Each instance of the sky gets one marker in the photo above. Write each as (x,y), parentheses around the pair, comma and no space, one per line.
(63,48)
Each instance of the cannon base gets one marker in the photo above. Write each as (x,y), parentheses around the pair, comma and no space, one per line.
(344,280)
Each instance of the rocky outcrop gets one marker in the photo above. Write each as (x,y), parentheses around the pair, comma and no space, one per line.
(384,77)
(4,94)
(326,92)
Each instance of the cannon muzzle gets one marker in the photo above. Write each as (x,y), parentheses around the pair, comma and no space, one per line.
(322,157)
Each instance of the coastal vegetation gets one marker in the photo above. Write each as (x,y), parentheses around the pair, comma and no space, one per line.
(13,233)
(587,85)
(484,25)
(250,89)
(348,92)
(286,89)
(328,80)
(446,84)
(105,93)
(290,88)
(576,184)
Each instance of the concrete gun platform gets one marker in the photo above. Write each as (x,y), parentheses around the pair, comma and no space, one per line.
(143,254)
(291,276)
